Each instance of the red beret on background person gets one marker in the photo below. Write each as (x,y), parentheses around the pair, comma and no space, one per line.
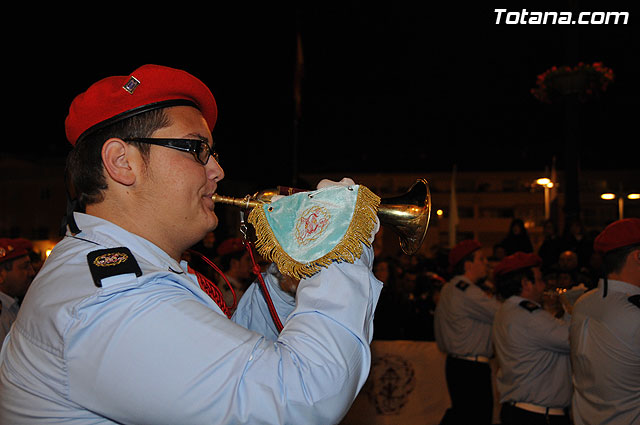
(612,241)
(619,234)
(517,261)
(462,250)
(14,248)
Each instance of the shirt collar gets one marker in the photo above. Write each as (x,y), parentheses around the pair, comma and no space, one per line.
(517,299)
(620,286)
(7,300)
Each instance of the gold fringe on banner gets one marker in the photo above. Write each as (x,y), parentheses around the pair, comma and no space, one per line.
(349,249)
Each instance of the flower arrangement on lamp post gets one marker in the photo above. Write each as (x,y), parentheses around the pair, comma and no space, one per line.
(583,82)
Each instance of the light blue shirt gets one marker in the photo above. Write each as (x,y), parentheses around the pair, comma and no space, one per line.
(605,355)
(156,349)
(533,354)
(253,313)
(463,318)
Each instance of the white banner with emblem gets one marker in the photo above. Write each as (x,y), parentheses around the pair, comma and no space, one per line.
(406,385)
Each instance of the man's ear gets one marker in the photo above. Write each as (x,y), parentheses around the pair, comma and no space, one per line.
(121,160)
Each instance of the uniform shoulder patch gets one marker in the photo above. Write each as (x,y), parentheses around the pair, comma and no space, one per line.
(528,305)
(462,285)
(635,300)
(105,263)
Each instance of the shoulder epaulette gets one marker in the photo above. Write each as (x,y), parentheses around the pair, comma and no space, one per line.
(528,305)
(635,300)
(462,285)
(105,263)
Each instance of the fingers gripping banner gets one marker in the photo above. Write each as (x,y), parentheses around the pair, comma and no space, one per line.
(406,385)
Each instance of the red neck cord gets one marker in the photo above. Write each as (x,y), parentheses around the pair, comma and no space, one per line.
(212,289)
(263,287)
(214,292)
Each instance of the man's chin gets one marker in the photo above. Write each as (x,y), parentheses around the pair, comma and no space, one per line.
(213,223)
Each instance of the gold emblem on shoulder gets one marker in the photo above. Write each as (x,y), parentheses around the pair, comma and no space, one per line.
(110,259)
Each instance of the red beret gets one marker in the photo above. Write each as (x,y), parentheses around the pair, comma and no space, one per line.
(149,87)
(13,248)
(461,250)
(517,261)
(231,246)
(618,234)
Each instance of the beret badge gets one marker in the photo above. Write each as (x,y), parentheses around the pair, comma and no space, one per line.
(131,85)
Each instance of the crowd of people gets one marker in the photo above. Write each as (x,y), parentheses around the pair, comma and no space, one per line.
(125,322)
(412,284)
(548,324)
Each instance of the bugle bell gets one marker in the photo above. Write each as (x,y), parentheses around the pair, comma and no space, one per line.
(407,215)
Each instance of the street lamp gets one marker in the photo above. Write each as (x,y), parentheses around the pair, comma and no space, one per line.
(611,196)
(547,184)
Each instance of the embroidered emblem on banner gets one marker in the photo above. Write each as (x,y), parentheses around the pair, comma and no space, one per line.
(307,231)
(391,381)
(311,224)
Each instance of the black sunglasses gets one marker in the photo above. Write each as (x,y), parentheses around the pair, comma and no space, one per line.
(200,149)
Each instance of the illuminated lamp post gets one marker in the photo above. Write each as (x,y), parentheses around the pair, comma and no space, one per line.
(547,184)
(620,197)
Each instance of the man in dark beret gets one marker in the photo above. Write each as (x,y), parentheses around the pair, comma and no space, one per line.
(462,325)
(16,274)
(117,329)
(605,333)
(532,346)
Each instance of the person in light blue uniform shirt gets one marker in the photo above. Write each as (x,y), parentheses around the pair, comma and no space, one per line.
(605,333)
(116,329)
(532,346)
(16,274)
(462,325)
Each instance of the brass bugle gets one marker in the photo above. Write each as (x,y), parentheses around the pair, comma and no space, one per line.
(407,215)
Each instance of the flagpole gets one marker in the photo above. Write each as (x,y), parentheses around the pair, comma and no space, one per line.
(453,210)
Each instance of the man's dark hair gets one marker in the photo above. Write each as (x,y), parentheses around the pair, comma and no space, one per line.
(614,261)
(510,284)
(84,168)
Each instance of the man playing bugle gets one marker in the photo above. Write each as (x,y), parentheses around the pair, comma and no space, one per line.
(115,328)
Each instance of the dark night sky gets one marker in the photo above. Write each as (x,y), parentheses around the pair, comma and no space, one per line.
(391,87)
